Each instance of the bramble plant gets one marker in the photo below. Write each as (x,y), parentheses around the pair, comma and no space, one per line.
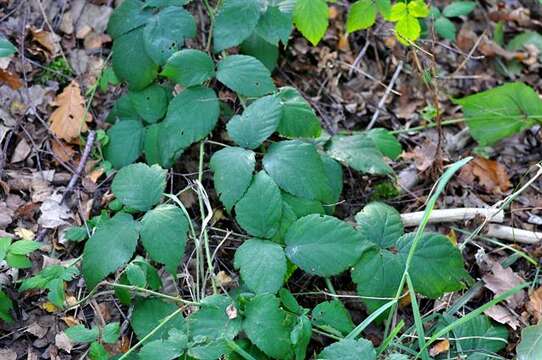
(280,178)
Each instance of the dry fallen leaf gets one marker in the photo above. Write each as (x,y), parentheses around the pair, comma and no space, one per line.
(63,342)
(503,279)
(68,121)
(534,306)
(502,315)
(439,348)
(44,43)
(10,79)
(54,214)
(489,174)
(62,151)
(21,152)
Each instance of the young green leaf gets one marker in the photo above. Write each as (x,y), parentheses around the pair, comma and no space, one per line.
(76,233)
(5,242)
(245,75)
(18,261)
(360,153)
(191,116)
(530,346)
(139,186)
(408,29)
(348,349)
(233,168)
(298,169)
(275,25)
(97,352)
(362,15)
(166,31)
(111,246)
(235,21)
(163,234)
(259,120)
(438,264)
(81,334)
(131,62)
(136,275)
(380,224)
(259,210)
(262,265)
(6,47)
(147,315)
(268,326)
(418,8)
(128,16)
(189,67)
(323,245)
(459,8)
(125,143)
(311,18)
(23,247)
(501,112)
(298,118)
(333,314)
(150,103)
(6,305)
(111,333)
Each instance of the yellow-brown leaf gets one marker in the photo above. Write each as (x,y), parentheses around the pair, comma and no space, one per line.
(68,121)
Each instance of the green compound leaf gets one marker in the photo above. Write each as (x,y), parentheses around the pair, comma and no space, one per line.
(459,8)
(323,245)
(259,120)
(348,349)
(262,265)
(360,153)
(166,31)
(259,211)
(147,315)
(266,52)
(235,22)
(386,143)
(362,15)
(128,16)
(501,112)
(245,75)
(274,25)
(445,28)
(377,274)
(233,168)
(311,18)
(139,186)
(191,116)
(189,67)
(163,234)
(438,264)
(298,118)
(303,207)
(408,29)
(268,326)
(150,103)
(298,169)
(130,61)
(380,224)
(6,47)
(333,314)
(81,334)
(125,143)
(418,8)
(530,346)
(111,246)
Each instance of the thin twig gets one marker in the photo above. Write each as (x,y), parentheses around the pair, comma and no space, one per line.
(453,215)
(386,94)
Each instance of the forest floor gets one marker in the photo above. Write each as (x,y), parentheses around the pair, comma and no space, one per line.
(63,42)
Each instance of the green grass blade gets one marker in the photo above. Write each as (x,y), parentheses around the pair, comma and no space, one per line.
(417,319)
(358,329)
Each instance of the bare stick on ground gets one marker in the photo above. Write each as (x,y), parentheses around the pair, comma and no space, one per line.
(453,215)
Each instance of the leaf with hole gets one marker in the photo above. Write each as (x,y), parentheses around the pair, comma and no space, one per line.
(262,265)
(259,120)
(139,186)
(163,234)
(189,67)
(259,210)
(166,31)
(118,236)
(323,245)
(245,75)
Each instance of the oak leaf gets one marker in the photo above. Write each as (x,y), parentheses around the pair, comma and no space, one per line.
(68,121)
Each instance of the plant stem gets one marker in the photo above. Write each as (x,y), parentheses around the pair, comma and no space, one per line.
(153,293)
(330,286)
(153,331)
(239,350)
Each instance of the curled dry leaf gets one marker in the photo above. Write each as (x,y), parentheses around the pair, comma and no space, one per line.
(489,174)
(439,348)
(44,43)
(503,279)
(534,306)
(10,79)
(504,316)
(68,121)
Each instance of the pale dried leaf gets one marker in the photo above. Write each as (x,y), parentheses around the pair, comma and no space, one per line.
(68,121)
(503,279)
(63,342)
(534,306)
(502,315)
(21,152)
(53,214)
(489,174)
